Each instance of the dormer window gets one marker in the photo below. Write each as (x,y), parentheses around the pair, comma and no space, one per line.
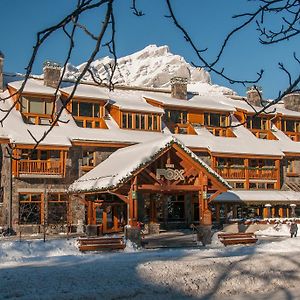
(88,114)
(215,120)
(291,128)
(36,110)
(150,122)
(260,127)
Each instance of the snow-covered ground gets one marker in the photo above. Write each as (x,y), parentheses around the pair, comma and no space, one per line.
(57,270)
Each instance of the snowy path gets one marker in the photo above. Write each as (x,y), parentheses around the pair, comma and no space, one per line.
(55,270)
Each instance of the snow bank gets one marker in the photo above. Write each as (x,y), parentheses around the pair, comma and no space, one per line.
(18,251)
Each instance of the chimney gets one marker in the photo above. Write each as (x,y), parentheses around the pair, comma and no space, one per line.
(292,101)
(254,95)
(1,71)
(51,74)
(179,87)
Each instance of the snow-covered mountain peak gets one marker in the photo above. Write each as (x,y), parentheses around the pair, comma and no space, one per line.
(152,66)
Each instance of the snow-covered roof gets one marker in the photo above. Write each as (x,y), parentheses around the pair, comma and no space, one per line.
(123,163)
(18,132)
(33,86)
(212,102)
(266,197)
(87,91)
(132,101)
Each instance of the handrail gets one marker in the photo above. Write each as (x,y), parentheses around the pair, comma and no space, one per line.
(48,167)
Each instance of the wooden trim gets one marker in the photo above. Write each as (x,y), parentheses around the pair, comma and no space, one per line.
(100,144)
(42,147)
(247,155)
(168,188)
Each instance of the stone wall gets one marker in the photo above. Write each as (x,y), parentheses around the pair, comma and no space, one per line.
(290,180)
(45,186)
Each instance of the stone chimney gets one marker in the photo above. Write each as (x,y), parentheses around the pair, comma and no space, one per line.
(1,71)
(292,101)
(179,87)
(51,74)
(254,95)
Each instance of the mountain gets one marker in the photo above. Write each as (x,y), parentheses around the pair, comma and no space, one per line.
(153,66)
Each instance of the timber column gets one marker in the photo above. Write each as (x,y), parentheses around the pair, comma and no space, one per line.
(204,229)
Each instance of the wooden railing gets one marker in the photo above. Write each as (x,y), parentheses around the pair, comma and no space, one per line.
(234,173)
(253,173)
(262,173)
(40,167)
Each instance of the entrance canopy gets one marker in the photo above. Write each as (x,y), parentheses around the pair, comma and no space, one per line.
(258,197)
(125,163)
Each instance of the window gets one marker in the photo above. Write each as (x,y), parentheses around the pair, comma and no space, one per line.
(87,114)
(30,208)
(262,186)
(36,110)
(57,208)
(140,121)
(215,120)
(176,116)
(127,120)
(37,105)
(86,109)
(88,158)
(290,166)
(260,123)
(175,207)
(290,125)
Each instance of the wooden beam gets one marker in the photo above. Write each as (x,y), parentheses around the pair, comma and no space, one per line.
(122,197)
(168,188)
(100,144)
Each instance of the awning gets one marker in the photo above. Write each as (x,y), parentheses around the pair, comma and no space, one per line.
(259,197)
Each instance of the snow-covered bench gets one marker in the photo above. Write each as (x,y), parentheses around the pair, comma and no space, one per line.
(100,244)
(237,238)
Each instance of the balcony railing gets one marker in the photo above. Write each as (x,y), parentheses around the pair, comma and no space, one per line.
(40,167)
(253,173)
(264,173)
(234,173)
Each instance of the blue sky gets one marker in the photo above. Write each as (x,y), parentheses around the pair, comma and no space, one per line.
(206,21)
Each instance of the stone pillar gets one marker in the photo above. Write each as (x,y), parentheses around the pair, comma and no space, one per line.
(51,74)
(268,207)
(293,213)
(179,88)
(204,234)
(133,234)
(254,95)
(1,71)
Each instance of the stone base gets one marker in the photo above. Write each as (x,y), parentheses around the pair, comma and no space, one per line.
(204,234)
(153,228)
(91,230)
(133,234)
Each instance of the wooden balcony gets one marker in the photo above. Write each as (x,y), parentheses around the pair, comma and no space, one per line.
(231,173)
(40,167)
(263,173)
(253,173)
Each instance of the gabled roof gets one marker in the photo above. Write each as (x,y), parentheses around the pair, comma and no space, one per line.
(122,164)
(33,86)
(212,102)
(87,91)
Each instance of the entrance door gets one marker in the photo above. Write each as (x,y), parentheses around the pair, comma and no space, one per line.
(170,210)
(109,218)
